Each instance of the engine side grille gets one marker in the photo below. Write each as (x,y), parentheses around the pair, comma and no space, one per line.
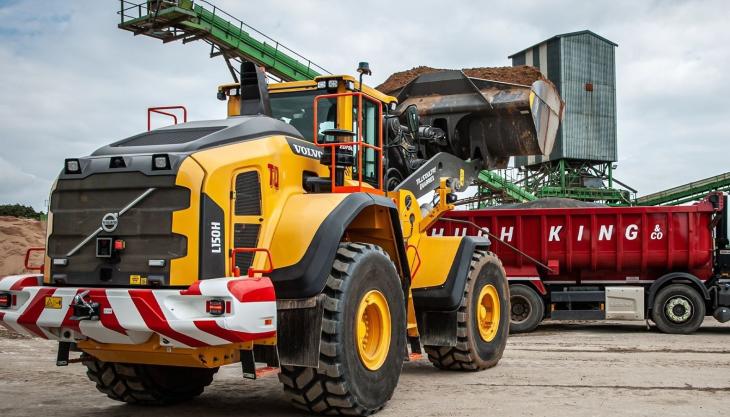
(245,236)
(248,194)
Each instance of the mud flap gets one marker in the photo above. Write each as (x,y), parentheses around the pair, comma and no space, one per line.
(299,331)
(437,328)
(248,364)
(267,355)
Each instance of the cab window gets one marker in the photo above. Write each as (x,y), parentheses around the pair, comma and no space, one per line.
(296,109)
(370,127)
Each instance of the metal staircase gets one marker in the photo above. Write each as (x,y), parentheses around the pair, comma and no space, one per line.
(229,37)
(498,184)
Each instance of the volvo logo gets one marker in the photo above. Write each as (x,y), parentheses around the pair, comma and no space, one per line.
(109,222)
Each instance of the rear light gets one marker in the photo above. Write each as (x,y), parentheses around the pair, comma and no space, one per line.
(215,307)
(119,245)
(6,300)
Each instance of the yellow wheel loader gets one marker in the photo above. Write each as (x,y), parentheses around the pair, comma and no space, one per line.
(287,235)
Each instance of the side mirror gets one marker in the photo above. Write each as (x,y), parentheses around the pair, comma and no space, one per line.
(412,119)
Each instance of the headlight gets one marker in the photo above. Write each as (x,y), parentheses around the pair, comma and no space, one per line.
(72,166)
(160,162)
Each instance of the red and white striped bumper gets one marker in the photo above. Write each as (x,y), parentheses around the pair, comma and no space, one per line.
(132,316)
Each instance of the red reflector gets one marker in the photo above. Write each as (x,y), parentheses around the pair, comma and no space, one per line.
(215,307)
(119,245)
(5,300)
(268,322)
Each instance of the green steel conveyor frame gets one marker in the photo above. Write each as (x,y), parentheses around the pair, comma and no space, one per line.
(498,184)
(188,20)
(686,193)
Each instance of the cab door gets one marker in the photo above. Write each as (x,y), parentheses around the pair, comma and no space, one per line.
(370,159)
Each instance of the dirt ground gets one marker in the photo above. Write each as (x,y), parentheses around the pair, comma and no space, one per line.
(562,369)
(16,236)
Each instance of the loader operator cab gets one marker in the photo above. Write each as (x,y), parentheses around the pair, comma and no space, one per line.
(339,111)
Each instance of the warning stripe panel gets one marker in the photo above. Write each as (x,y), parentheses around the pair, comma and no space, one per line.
(212,327)
(131,316)
(152,315)
(22,282)
(109,321)
(29,318)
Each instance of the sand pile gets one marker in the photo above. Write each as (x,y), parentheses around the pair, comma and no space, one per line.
(16,236)
(522,74)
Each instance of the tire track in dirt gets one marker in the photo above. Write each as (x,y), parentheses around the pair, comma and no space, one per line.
(586,386)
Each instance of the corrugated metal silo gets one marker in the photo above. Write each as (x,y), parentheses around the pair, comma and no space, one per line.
(582,66)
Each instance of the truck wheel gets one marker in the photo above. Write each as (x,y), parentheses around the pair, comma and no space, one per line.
(363,337)
(483,319)
(147,384)
(527,309)
(678,309)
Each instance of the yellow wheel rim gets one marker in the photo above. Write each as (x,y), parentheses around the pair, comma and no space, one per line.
(373,330)
(487,310)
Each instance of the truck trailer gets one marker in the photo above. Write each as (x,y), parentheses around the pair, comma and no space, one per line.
(665,264)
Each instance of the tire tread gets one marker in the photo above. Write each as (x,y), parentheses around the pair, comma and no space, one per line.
(462,357)
(133,384)
(324,390)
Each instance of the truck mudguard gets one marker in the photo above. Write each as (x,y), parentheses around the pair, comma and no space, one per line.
(676,276)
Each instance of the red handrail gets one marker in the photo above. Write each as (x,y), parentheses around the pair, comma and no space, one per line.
(359,143)
(159,109)
(236,271)
(27,260)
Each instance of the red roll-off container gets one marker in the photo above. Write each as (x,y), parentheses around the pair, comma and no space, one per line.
(597,244)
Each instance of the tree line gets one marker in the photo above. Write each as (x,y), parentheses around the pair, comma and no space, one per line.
(19,210)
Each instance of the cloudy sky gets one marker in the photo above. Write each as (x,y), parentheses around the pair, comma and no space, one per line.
(70,81)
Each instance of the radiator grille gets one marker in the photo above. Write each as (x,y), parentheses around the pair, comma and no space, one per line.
(248,194)
(78,206)
(245,236)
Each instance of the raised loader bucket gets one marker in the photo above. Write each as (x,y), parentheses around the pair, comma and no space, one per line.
(487,119)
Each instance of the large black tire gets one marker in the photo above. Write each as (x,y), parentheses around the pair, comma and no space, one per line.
(342,384)
(472,352)
(527,309)
(147,384)
(678,309)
